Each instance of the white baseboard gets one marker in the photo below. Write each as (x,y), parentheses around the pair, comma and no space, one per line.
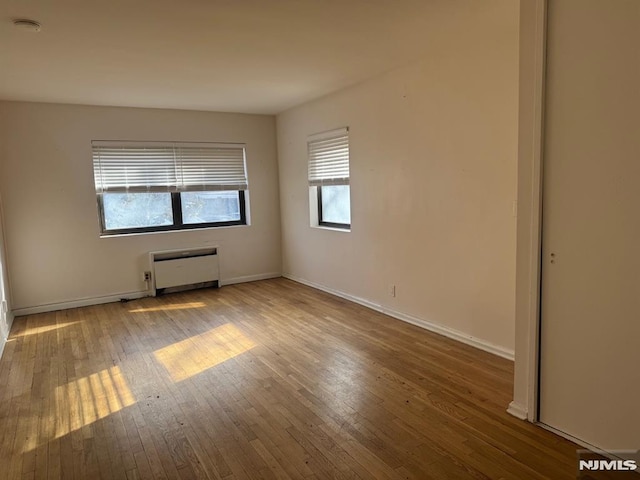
(573,439)
(419,322)
(82,302)
(518,410)
(249,278)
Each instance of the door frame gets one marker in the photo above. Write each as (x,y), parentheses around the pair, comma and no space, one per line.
(532,66)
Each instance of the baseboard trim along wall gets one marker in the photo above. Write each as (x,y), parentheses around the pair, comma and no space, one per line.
(517,410)
(419,322)
(433,327)
(85,302)
(82,302)
(249,278)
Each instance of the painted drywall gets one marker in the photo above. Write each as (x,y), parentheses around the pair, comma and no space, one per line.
(55,255)
(433,150)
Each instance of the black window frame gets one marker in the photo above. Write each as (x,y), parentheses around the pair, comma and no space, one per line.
(321,222)
(177,225)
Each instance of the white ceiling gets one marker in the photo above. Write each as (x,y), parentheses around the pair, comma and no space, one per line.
(257,56)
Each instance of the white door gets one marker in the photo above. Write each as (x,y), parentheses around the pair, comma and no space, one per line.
(590,324)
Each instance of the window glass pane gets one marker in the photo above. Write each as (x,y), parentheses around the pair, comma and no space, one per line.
(336,207)
(210,207)
(136,210)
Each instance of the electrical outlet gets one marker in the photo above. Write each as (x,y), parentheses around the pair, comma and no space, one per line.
(146,276)
(392,290)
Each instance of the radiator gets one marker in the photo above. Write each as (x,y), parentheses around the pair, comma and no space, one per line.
(183,269)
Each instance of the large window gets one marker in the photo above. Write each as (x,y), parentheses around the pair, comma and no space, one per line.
(329,179)
(152,186)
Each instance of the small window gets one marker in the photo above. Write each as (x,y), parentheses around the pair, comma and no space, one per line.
(329,179)
(150,187)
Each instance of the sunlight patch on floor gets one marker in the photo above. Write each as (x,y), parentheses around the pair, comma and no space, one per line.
(172,306)
(43,329)
(86,400)
(196,354)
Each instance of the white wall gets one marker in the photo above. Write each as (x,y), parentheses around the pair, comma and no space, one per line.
(433,179)
(54,252)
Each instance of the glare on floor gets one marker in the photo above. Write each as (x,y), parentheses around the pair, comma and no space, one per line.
(196,354)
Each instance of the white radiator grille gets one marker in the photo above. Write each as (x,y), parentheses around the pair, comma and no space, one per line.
(183,268)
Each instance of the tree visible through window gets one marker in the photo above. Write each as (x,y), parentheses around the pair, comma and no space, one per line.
(210,207)
(136,210)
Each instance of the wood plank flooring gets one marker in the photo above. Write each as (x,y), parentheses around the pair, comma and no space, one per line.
(270,380)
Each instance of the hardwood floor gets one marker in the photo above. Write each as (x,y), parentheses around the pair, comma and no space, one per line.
(269,379)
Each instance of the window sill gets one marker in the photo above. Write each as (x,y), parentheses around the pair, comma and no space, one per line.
(136,234)
(335,229)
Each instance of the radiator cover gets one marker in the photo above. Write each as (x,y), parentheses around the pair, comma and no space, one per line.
(183,268)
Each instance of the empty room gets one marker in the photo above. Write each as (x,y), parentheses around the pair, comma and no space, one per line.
(305,239)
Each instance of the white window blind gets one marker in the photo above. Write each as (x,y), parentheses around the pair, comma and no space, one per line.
(329,158)
(161,167)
